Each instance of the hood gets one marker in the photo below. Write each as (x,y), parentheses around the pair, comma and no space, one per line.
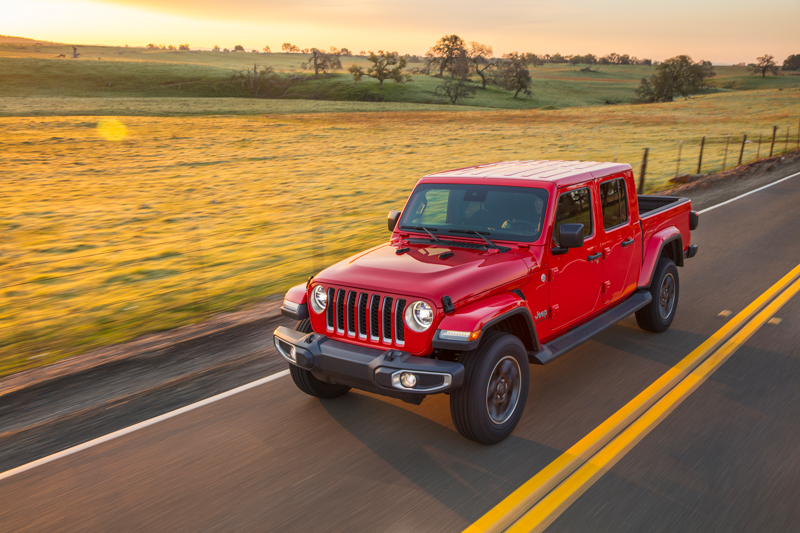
(421,273)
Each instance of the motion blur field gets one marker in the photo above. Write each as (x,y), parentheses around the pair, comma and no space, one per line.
(173,219)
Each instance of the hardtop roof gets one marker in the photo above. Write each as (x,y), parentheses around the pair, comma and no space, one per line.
(562,173)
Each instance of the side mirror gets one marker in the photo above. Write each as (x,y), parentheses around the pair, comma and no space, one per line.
(570,235)
(394,216)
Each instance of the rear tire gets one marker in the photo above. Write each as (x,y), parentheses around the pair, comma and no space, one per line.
(488,406)
(659,313)
(306,381)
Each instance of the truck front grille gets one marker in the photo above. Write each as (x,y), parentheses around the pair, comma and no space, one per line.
(369,316)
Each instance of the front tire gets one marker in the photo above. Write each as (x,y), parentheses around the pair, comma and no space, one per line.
(489,404)
(659,313)
(306,381)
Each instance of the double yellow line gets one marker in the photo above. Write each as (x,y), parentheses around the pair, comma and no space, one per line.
(538,502)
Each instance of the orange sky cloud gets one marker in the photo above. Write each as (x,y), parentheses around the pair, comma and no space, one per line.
(723,31)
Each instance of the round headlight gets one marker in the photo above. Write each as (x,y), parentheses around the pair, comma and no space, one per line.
(319,299)
(419,316)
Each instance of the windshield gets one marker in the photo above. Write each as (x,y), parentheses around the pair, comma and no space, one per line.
(506,213)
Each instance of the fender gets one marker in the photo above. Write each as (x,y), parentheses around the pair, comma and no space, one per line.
(296,295)
(653,253)
(484,314)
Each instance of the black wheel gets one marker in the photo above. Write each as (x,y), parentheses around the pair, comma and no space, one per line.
(489,404)
(306,381)
(658,314)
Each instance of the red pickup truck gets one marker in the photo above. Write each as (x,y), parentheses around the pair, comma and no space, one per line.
(489,268)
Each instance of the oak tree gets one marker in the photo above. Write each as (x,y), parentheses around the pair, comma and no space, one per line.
(446,52)
(385,66)
(764,64)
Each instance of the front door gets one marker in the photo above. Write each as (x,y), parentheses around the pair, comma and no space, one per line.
(576,275)
(618,238)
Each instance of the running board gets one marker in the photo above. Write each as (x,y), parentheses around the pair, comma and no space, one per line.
(583,333)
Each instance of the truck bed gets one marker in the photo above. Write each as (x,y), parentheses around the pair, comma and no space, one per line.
(650,205)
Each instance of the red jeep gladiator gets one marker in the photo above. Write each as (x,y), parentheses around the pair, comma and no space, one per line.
(489,268)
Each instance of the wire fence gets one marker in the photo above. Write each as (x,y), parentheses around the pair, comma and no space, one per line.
(54,307)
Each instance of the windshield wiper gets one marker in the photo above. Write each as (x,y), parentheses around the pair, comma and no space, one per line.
(426,230)
(480,234)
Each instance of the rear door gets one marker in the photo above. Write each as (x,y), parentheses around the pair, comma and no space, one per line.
(576,275)
(617,235)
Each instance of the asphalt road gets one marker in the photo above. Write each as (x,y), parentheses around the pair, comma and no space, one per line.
(272,459)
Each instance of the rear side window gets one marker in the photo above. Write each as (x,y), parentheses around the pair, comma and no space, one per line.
(574,207)
(614,200)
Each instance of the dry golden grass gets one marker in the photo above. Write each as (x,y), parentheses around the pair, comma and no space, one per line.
(187,216)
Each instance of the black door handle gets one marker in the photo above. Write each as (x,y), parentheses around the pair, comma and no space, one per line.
(592,257)
(627,242)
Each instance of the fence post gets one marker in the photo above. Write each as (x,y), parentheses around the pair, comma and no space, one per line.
(644,169)
(758,153)
(700,159)
(798,134)
(741,150)
(725,157)
(786,144)
(678,166)
(772,144)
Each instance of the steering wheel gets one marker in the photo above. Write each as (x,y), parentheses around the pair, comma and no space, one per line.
(520,224)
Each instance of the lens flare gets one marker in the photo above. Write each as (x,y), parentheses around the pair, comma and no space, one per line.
(112,129)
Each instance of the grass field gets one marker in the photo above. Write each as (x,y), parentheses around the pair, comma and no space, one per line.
(29,71)
(151,222)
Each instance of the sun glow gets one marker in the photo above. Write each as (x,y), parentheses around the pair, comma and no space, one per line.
(112,129)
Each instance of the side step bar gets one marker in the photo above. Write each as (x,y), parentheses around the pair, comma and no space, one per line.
(583,333)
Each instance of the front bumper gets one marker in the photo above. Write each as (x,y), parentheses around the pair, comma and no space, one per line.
(367,369)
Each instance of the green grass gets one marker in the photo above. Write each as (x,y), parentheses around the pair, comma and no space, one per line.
(27,71)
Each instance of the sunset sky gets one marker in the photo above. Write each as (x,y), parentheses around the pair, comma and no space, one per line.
(723,31)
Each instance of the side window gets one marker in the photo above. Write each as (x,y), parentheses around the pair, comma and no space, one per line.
(614,202)
(574,207)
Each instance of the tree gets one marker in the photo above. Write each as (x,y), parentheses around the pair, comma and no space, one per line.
(216,48)
(446,52)
(345,52)
(534,60)
(455,90)
(557,58)
(256,81)
(515,75)
(266,50)
(791,63)
(766,63)
(151,46)
(385,66)
(480,57)
(171,47)
(706,72)
(677,76)
(289,48)
(183,47)
(323,61)
(238,48)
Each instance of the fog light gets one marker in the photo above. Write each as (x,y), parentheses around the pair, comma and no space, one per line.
(408,380)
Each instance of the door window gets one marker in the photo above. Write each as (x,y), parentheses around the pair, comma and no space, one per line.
(574,207)
(614,202)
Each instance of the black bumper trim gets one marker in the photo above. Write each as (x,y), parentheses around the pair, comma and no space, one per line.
(300,314)
(363,368)
(691,252)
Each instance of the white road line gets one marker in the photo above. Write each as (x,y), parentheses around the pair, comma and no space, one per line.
(140,425)
(707,209)
(237,390)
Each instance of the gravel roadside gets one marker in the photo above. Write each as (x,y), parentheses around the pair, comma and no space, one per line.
(48,409)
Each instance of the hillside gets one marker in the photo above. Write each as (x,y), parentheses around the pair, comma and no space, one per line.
(31,69)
